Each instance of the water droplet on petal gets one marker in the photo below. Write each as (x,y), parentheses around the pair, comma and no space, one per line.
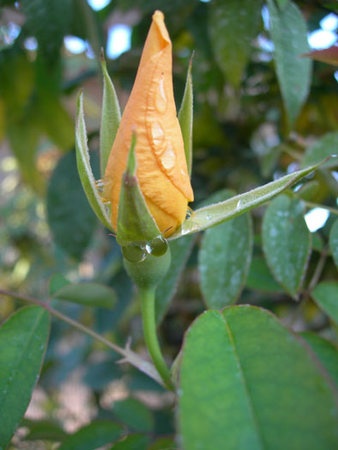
(168,158)
(157,133)
(161,99)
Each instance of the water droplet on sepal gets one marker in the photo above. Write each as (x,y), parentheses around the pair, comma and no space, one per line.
(99,184)
(136,252)
(158,246)
(189,213)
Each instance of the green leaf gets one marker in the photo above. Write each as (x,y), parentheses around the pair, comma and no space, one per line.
(260,278)
(44,430)
(69,215)
(132,442)
(55,13)
(56,282)
(211,215)
(134,414)
(325,295)
(23,341)
(247,381)
(180,251)
(55,120)
(282,3)
(224,266)
(289,36)
(326,352)
(286,242)
(110,118)
(94,435)
(232,27)
(185,117)
(24,138)
(163,444)
(333,241)
(85,170)
(326,146)
(87,294)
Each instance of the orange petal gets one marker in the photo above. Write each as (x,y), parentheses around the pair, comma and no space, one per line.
(151,114)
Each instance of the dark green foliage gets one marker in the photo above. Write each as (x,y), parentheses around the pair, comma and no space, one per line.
(69,215)
(259,374)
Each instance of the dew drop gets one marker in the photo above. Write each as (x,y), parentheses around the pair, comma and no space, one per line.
(168,158)
(239,204)
(158,246)
(147,248)
(188,214)
(157,133)
(134,252)
(99,184)
(161,99)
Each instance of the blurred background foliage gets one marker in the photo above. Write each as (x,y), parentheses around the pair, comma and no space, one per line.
(257,116)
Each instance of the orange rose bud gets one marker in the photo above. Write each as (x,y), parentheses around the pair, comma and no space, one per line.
(150,113)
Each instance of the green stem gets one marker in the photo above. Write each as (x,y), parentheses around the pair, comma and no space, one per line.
(147,297)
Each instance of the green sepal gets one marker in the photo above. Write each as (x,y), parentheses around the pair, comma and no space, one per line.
(135,223)
(148,272)
(146,253)
(85,170)
(211,215)
(185,117)
(110,117)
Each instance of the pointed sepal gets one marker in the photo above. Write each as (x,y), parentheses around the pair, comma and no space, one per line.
(185,117)
(135,223)
(110,117)
(85,170)
(146,253)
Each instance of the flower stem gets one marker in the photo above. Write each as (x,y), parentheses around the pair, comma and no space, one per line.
(147,297)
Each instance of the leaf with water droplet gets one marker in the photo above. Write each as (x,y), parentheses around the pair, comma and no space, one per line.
(211,215)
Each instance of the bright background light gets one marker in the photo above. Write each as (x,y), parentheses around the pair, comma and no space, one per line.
(75,45)
(119,40)
(316,218)
(96,5)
